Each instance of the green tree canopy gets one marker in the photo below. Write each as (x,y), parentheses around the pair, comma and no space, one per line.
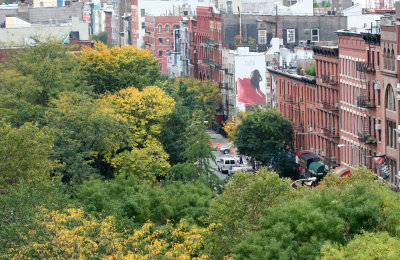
(88,133)
(101,37)
(299,228)
(264,135)
(133,201)
(244,201)
(34,77)
(367,246)
(311,70)
(24,154)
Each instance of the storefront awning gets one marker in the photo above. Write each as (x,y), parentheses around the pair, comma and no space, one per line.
(342,171)
(316,168)
(300,153)
(307,159)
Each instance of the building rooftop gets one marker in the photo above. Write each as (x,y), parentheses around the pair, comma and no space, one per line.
(292,73)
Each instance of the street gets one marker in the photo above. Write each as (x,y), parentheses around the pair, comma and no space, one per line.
(217,138)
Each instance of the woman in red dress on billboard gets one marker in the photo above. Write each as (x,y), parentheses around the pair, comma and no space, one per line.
(248,90)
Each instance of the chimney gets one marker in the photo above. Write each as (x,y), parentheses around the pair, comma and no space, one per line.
(23,10)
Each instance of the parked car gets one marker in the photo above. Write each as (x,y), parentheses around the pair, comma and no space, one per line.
(237,168)
(225,164)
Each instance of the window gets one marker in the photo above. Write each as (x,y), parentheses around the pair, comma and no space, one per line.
(390,99)
(393,60)
(160,53)
(315,35)
(262,36)
(167,28)
(391,134)
(166,41)
(185,13)
(160,28)
(142,12)
(143,25)
(159,41)
(229,7)
(290,35)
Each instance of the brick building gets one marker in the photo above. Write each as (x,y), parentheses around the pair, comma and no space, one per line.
(360,98)
(327,100)
(205,34)
(349,113)
(388,97)
(311,103)
(159,37)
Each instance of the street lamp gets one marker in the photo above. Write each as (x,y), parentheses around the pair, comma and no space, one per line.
(307,179)
(361,151)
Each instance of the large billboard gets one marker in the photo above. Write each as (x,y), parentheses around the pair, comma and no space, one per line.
(251,87)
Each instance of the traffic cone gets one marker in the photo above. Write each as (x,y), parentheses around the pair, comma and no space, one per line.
(218,146)
(232,149)
(211,143)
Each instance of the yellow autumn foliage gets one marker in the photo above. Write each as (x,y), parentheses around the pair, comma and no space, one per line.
(145,163)
(146,111)
(230,126)
(73,234)
(112,69)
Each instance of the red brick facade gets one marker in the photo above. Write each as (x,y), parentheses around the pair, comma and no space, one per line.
(205,35)
(348,113)
(327,100)
(159,37)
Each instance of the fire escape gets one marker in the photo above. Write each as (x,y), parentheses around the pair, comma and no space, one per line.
(367,100)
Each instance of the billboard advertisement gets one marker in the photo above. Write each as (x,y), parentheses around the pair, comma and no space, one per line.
(250,71)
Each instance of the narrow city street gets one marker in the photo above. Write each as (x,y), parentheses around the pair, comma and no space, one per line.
(224,143)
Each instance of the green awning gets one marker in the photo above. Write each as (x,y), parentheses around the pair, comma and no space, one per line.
(316,168)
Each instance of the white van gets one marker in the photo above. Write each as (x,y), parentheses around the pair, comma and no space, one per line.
(225,164)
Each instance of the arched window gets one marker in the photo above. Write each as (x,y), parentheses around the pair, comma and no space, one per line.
(390,98)
(160,28)
(167,41)
(167,28)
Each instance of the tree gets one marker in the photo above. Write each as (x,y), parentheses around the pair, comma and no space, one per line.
(365,246)
(311,70)
(34,77)
(101,37)
(244,201)
(133,202)
(51,70)
(200,154)
(72,234)
(300,227)
(24,154)
(88,134)
(20,210)
(264,135)
(113,69)
(145,111)
(147,164)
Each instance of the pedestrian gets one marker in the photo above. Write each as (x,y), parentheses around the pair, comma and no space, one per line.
(241,159)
